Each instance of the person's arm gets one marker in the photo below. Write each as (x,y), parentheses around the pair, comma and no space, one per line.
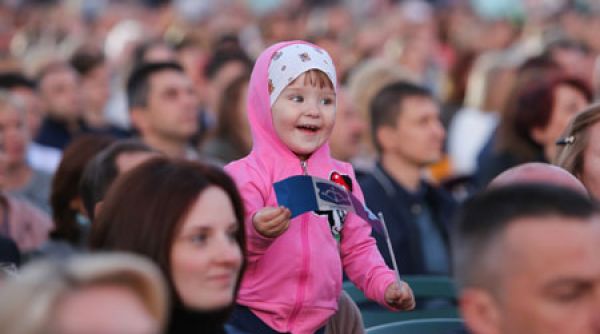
(347,319)
(254,198)
(365,266)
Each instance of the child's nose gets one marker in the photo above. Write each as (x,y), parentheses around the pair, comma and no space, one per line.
(313,110)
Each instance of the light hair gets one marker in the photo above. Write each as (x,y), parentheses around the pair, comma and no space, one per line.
(27,302)
(366,81)
(482,82)
(571,151)
(316,78)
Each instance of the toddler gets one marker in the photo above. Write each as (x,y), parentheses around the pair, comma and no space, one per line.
(294,267)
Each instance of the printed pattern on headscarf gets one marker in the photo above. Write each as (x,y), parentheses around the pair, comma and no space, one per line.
(291,61)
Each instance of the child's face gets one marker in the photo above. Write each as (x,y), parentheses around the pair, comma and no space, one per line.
(303,116)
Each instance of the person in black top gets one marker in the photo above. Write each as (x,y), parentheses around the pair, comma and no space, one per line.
(408,135)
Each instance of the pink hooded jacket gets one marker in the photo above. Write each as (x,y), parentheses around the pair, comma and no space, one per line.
(293,281)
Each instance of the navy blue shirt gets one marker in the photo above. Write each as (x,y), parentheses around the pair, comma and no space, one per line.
(418,223)
(56,134)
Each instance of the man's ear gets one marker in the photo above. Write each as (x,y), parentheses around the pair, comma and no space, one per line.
(480,311)
(138,118)
(385,137)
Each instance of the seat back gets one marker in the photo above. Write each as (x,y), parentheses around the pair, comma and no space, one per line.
(425,288)
(420,326)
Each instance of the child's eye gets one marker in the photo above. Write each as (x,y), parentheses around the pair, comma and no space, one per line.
(297,98)
(327,101)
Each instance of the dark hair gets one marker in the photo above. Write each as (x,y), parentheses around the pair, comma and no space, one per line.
(387,104)
(102,170)
(530,106)
(66,181)
(481,220)
(141,50)
(228,123)
(11,80)
(138,84)
(227,50)
(85,61)
(565,44)
(459,76)
(145,207)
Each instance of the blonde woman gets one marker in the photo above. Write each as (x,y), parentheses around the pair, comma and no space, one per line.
(108,294)
(579,149)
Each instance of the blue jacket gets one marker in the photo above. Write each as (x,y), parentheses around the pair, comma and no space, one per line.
(383,194)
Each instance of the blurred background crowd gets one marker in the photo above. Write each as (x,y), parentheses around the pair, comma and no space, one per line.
(92,88)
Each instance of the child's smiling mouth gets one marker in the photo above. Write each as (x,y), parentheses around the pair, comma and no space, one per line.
(308,128)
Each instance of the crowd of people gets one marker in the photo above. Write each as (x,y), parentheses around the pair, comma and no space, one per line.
(140,142)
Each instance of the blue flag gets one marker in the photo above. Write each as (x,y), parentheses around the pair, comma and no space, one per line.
(304,193)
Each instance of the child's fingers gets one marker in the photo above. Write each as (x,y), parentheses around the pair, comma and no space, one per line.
(270,213)
(406,299)
(271,222)
(400,296)
(279,221)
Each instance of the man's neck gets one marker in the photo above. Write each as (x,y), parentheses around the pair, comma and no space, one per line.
(17,176)
(94,119)
(172,148)
(70,123)
(405,173)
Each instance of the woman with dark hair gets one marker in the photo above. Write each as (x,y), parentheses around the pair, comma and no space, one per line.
(71,225)
(232,140)
(539,109)
(187,217)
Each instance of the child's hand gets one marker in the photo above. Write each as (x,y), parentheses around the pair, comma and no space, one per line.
(400,297)
(271,222)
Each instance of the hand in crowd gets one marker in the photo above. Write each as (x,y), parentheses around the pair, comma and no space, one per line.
(400,297)
(271,222)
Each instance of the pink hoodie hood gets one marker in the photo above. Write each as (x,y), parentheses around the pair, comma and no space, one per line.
(293,281)
(259,105)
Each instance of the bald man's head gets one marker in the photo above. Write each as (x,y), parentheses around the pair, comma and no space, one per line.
(537,172)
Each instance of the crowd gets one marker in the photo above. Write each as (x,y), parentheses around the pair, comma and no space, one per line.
(140,141)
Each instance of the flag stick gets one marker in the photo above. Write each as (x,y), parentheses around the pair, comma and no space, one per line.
(390,249)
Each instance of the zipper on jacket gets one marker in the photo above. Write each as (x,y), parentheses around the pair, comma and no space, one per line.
(301,290)
(302,280)
(304,166)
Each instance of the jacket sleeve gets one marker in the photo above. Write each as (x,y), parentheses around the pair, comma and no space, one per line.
(254,198)
(361,258)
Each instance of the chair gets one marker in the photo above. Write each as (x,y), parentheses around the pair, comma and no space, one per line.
(424,287)
(431,286)
(420,326)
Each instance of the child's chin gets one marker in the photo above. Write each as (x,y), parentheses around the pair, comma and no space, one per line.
(302,156)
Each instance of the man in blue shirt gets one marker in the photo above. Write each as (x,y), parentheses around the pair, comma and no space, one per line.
(408,135)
